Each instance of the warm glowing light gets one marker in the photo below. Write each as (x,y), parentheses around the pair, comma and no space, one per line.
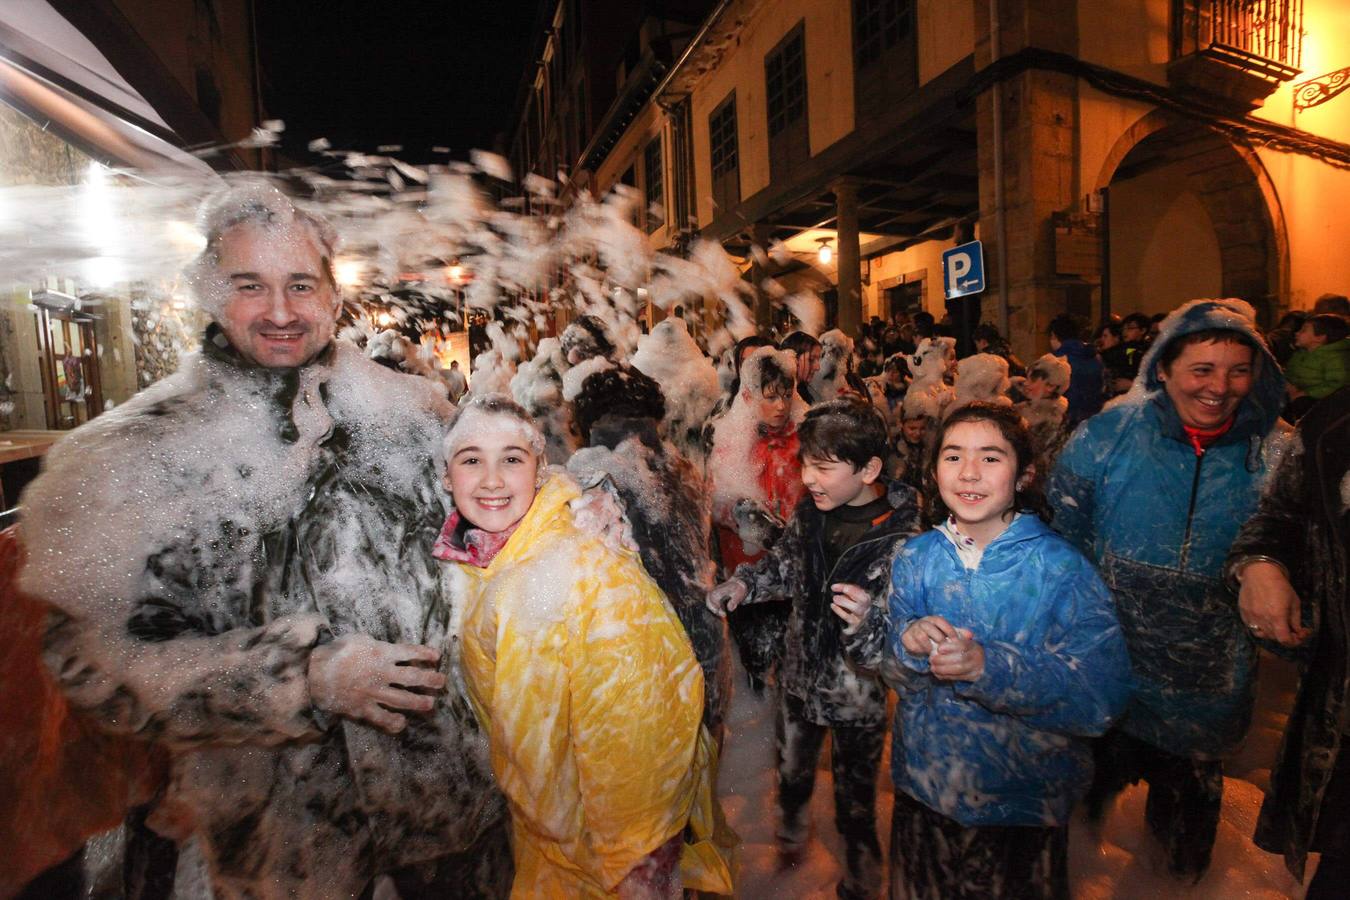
(99,229)
(825,254)
(384,320)
(102,271)
(185,237)
(455,273)
(347,272)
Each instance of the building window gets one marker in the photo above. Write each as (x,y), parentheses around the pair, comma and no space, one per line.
(885,57)
(725,157)
(785,81)
(879,25)
(653,183)
(785,101)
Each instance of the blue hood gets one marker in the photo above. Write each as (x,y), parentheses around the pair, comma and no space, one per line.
(1260,409)
(1075,348)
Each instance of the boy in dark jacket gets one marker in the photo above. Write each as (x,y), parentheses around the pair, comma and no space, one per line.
(843,531)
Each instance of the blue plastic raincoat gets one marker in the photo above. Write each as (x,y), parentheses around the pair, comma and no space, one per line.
(1131,492)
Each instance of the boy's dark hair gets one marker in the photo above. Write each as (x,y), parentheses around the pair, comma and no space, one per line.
(1330,326)
(1172,351)
(1293,320)
(622,392)
(925,326)
(987,332)
(1138,319)
(1066,327)
(848,429)
(1115,328)
(1014,430)
(1335,304)
(798,342)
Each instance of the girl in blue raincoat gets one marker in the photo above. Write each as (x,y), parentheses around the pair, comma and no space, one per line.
(1002,644)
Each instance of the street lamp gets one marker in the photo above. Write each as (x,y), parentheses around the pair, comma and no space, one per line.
(825,254)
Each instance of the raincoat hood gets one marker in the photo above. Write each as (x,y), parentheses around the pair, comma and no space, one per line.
(1260,409)
(1075,348)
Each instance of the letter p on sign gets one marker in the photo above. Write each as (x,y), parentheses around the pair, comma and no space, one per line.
(963,270)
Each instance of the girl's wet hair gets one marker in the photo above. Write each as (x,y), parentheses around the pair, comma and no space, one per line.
(775,376)
(1029,498)
(472,411)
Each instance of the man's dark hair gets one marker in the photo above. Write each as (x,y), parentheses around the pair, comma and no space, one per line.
(898,362)
(622,392)
(1335,304)
(848,429)
(987,332)
(1114,327)
(1138,320)
(1293,320)
(1176,345)
(1066,327)
(925,326)
(1330,326)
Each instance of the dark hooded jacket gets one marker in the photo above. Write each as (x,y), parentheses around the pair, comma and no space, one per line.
(667,505)
(832,690)
(1302,523)
(1130,491)
(1085,383)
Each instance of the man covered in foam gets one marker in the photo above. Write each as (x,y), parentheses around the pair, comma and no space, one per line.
(251,586)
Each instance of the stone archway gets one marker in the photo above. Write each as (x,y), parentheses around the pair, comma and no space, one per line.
(1235,192)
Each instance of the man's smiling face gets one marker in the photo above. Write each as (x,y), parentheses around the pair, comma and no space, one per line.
(281,304)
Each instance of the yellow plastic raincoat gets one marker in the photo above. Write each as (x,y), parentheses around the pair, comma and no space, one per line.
(591,697)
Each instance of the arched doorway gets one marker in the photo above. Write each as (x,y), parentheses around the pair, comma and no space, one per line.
(1191,214)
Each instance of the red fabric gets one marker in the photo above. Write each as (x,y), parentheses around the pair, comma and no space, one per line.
(780,478)
(780,471)
(480,547)
(61,779)
(1201,438)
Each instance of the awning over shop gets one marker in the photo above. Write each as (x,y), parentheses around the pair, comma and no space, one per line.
(57,76)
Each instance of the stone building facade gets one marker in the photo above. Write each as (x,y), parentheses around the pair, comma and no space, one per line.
(1110,156)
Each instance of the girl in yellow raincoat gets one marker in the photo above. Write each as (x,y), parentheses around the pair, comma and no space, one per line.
(582,677)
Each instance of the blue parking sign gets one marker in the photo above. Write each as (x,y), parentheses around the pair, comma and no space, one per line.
(963,270)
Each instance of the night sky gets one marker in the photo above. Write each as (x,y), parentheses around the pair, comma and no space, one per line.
(410,72)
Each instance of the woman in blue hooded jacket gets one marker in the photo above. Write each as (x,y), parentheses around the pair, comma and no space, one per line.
(1154,489)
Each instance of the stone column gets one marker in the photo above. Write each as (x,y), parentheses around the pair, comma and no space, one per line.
(760,235)
(848,256)
(1040,175)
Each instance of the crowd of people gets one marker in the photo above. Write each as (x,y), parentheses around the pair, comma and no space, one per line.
(486,648)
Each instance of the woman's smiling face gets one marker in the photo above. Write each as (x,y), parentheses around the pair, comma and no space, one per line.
(1207,381)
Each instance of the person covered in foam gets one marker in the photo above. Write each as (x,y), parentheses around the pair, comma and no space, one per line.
(582,677)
